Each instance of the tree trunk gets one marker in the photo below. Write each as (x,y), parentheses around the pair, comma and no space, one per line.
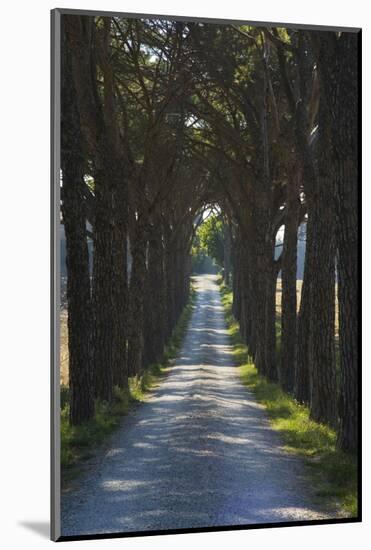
(170,281)
(259,277)
(263,247)
(155,318)
(322,326)
(301,383)
(288,297)
(322,312)
(348,306)
(347,185)
(236,282)
(136,299)
(227,254)
(99,119)
(270,318)
(263,285)
(103,292)
(120,238)
(77,255)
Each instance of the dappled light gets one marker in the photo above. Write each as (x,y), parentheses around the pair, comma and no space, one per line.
(208,235)
(183,457)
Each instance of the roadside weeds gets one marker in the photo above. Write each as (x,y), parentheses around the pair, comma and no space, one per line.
(80,443)
(333,473)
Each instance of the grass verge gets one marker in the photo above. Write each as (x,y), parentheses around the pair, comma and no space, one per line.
(78,443)
(333,474)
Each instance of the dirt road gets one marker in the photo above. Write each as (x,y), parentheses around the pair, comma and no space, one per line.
(199,453)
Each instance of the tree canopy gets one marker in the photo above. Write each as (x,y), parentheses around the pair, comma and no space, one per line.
(161,118)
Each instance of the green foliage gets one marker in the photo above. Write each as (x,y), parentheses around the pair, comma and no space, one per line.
(78,443)
(332,472)
(208,246)
(211,238)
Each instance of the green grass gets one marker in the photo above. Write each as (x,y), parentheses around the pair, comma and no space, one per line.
(78,443)
(333,473)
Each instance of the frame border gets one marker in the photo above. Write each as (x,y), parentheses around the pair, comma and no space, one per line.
(133,15)
(55,112)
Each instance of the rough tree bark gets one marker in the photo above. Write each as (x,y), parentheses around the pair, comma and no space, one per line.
(322,370)
(155,317)
(120,238)
(322,318)
(103,291)
(77,256)
(346,193)
(270,316)
(264,274)
(170,279)
(236,281)
(288,297)
(101,132)
(301,378)
(138,244)
(227,253)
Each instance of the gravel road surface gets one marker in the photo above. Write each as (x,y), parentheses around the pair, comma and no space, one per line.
(200,452)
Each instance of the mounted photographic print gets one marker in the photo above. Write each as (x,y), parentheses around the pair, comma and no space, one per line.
(205,274)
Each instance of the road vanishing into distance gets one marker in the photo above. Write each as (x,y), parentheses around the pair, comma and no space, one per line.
(199,453)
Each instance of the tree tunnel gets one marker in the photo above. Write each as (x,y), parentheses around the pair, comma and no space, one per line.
(163,121)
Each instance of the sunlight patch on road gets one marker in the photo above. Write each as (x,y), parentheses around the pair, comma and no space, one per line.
(123,484)
(234,440)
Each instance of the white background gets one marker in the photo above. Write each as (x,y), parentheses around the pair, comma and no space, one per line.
(24,254)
